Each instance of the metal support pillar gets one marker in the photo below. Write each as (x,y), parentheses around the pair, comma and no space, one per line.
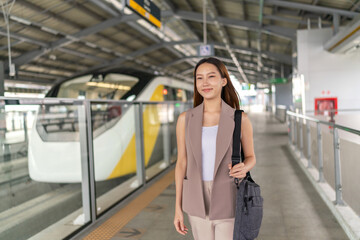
(25,127)
(2,78)
(336,23)
(87,162)
(338,185)
(139,139)
(320,153)
(295,132)
(166,138)
(301,145)
(308,134)
(14,114)
(289,128)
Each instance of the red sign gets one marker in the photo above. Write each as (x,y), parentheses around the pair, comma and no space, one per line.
(326,106)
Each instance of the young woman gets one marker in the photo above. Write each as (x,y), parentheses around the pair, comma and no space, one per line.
(204,178)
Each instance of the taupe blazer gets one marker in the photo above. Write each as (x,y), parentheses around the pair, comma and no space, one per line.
(223,194)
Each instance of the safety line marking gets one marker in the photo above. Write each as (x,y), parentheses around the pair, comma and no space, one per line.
(115,223)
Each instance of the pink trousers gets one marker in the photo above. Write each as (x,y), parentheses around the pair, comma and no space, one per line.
(205,229)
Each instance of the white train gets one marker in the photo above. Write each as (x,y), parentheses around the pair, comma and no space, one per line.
(54,147)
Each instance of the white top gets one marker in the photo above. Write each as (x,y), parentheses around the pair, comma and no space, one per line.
(208,148)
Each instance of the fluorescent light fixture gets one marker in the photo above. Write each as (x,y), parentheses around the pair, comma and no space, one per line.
(106,50)
(49,30)
(116,3)
(89,44)
(108,85)
(20,20)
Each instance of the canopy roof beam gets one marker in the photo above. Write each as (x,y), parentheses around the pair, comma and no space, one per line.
(287,33)
(307,7)
(226,60)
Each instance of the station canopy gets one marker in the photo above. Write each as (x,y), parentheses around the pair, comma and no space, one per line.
(57,39)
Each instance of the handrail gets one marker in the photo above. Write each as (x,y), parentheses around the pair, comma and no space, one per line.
(347,129)
(335,110)
(74,101)
(296,142)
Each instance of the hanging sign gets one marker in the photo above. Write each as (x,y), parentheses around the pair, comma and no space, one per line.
(278,80)
(205,50)
(146,9)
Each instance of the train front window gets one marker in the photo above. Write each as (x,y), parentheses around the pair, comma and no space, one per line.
(112,86)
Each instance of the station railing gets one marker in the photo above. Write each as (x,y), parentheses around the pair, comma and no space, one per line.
(336,157)
(70,162)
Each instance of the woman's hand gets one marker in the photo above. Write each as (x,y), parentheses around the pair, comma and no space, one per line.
(179,222)
(238,171)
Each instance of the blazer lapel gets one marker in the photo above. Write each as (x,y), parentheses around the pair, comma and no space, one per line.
(195,133)
(224,134)
(223,138)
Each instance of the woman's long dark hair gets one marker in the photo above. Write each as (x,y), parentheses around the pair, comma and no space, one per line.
(228,93)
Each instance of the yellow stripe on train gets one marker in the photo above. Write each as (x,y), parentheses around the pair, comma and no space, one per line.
(151,121)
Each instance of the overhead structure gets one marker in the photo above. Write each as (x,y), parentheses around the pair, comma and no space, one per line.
(6,7)
(345,41)
(58,39)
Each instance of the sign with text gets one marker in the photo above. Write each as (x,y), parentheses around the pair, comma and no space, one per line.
(146,9)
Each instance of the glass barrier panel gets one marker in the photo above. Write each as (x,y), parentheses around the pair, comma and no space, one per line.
(113,127)
(328,155)
(314,145)
(156,144)
(40,171)
(350,168)
(175,109)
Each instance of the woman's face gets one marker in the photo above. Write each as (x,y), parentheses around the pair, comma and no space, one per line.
(208,81)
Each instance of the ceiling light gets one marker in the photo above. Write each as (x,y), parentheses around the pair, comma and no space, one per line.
(20,20)
(108,85)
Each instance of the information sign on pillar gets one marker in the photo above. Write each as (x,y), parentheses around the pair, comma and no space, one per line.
(206,50)
(147,10)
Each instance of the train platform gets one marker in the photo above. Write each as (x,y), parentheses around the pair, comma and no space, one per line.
(293,209)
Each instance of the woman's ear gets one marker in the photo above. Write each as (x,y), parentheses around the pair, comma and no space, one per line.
(224,82)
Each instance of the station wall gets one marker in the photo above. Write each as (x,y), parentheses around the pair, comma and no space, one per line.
(327,74)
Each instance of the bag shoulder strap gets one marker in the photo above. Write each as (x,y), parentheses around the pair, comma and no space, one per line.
(236,138)
(237,148)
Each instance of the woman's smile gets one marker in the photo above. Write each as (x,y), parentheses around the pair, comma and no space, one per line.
(207,90)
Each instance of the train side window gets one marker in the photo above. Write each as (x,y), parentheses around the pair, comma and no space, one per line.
(167,93)
(113,86)
(173,92)
(180,95)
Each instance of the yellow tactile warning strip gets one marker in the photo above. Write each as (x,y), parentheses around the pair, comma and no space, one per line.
(113,225)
